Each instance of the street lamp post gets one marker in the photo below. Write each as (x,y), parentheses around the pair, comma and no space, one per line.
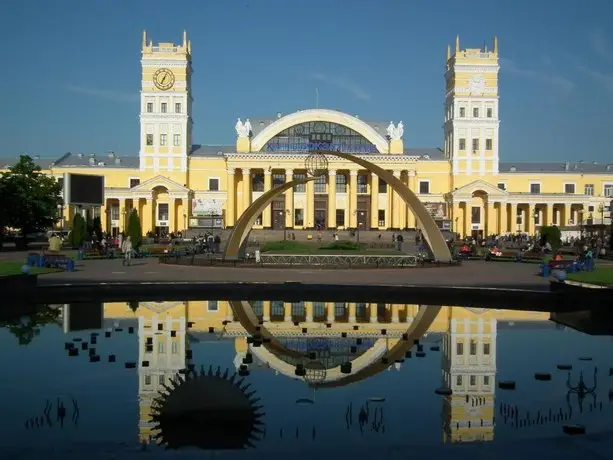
(580,221)
(185,224)
(536,218)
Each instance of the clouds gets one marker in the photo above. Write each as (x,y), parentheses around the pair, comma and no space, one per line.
(345,84)
(601,48)
(110,95)
(560,83)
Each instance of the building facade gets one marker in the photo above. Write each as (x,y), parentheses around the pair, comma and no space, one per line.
(175,184)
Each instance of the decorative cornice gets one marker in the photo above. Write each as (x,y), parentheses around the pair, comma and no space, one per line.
(166,63)
(267,158)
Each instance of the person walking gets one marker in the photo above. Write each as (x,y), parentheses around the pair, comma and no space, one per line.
(126,248)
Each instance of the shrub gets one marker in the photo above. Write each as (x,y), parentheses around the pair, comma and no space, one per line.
(134,229)
(552,235)
(285,246)
(78,231)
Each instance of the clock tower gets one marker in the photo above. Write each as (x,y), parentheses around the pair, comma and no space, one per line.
(165,106)
(471,112)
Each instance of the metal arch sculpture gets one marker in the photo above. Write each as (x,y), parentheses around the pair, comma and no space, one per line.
(249,216)
(432,233)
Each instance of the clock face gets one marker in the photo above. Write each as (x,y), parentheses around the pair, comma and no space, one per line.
(477,83)
(163,79)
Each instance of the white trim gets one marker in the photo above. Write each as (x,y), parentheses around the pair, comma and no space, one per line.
(208,306)
(534,182)
(574,184)
(209,184)
(604,184)
(419,181)
(503,182)
(130,180)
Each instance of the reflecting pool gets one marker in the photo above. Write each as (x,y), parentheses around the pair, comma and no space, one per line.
(275,377)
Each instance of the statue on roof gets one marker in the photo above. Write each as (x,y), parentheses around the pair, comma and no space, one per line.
(398,132)
(242,129)
(390,129)
(248,127)
(395,133)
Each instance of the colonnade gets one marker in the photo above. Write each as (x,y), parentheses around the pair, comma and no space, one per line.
(385,210)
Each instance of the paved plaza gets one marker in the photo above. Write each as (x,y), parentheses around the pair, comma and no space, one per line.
(473,273)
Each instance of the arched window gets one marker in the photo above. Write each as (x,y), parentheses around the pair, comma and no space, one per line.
(316,135)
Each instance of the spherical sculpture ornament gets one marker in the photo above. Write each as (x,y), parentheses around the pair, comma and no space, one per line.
(316,164)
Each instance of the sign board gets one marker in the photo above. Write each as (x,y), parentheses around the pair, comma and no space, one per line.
(437,210)
(206,207)
(83,189)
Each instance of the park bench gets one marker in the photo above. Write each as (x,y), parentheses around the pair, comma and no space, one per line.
(382,245)
(93,254)
(50,260)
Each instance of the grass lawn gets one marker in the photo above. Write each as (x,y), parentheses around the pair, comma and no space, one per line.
(14,268)
(337,247)
(602,276)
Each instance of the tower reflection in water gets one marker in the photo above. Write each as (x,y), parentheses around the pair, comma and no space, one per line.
(321,338)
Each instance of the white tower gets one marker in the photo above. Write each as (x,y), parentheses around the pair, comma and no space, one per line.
(471,110)
(166,106)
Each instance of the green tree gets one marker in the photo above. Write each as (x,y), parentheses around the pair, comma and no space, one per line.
(97,228)
(134,229)
(551,234)
(30,199)
(78,232)
(89,223)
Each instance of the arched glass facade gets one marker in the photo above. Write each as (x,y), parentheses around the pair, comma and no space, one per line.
(319,135)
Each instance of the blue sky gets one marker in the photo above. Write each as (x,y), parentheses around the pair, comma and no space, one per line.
(71,79)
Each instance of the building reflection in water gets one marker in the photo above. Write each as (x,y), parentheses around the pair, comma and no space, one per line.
(331,334)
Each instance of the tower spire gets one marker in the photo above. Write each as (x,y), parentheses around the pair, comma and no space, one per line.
(144,44)
(184,38)
(496,45)
(457,44)
(448,52)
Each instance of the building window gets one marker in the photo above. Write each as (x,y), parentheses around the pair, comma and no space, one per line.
(475,215)
(213,184)
(462,112)
(175,350)
(115,213)
(340,217)
(212,306)
(473,380)
(424,187)
(161,347)
(257,182)
(486,380)
(299,217)
(341,183)
(488,144)
(535,189)
(176,140)
(320,184)
(362,183)
(163,107)
(163,211)
(458,380)
(608,190)
(490,112)
(147,380)
(589,189)
(149,139)
(502,186)
(462,145)
(476,112)
(459,348)
(473,347)
(486,348)
(278,179)
(300,188)
(382,186)
(163,139)
(569,189)
(381,217)
(149,107)
(177,107)
(475,145)
(134,182)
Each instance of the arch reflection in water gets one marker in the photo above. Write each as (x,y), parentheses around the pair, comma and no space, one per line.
(322,337)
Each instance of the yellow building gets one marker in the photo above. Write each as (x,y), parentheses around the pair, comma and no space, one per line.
(175,184)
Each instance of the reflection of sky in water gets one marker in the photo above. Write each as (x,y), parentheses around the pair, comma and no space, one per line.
(108,398)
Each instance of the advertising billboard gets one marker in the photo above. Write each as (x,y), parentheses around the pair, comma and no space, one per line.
(83,189)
